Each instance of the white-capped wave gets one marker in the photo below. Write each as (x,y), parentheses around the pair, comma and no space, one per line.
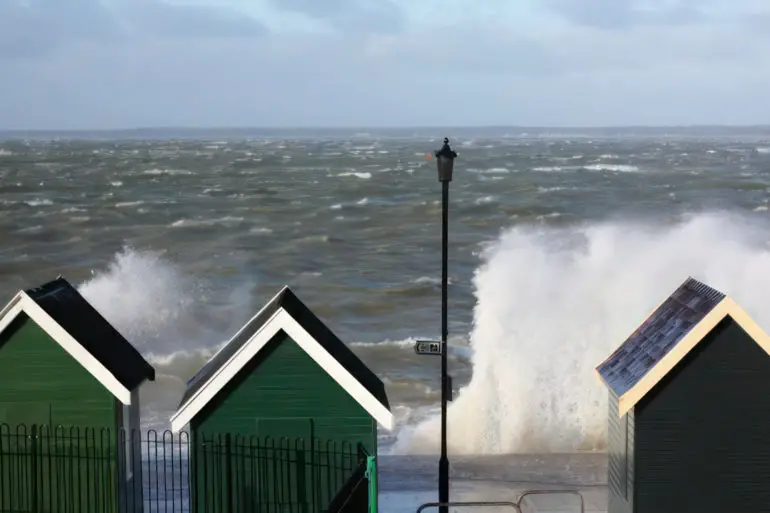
(171,172)
(194,223)
(620,168)
(553,302)
(39,202)
(365,175)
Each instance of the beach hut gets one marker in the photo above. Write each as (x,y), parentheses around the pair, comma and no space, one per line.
(689,420)
(68,387)
(267,411)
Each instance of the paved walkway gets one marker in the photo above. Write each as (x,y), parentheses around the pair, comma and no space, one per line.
(408,481)
(594,497)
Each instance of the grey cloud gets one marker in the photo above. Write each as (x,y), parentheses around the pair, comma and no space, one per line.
(484,50)
(615,14)
(159,19)
(34,28)
(378,16)
(408,79)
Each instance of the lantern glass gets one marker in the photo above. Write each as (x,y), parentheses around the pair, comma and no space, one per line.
(445,166)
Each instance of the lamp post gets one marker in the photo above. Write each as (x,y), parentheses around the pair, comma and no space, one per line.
(445,164)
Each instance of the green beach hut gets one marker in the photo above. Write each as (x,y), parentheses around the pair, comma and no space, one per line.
(275,412)
(68,392)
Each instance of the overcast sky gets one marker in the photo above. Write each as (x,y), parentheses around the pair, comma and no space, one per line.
(138,63)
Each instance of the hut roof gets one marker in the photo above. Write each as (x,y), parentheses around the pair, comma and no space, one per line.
(72,322)
(672,330)
(285,312)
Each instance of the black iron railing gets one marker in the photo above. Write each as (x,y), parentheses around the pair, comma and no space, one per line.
(74,470)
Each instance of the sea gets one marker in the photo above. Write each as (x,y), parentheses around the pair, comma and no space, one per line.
(561,241)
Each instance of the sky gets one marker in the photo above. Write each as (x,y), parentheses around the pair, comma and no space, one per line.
(107,64)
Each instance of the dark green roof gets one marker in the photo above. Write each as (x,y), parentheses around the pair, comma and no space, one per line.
(64,304)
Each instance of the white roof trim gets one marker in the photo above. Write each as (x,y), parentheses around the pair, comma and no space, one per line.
(246,326)
(726,307)
(281,320)
(23,303)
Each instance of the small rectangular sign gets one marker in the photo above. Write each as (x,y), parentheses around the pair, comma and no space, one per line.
(427,347)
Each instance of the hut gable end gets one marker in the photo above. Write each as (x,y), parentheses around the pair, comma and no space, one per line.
(285,315)
(73,323)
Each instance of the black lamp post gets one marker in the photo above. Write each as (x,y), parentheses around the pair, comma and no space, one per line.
(445,163)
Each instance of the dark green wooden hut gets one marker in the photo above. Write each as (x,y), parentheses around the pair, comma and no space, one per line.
(689,424)
(283,379)
(68,386)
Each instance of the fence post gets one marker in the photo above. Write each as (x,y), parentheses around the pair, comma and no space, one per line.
(371,476)
(300,473)
(229,473)
(33,467)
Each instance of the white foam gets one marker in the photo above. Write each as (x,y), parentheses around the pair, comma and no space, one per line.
(619,168)
(172,172)
(554,169)
(491,171)
(365,175)
(554,302)
(485,200)
(141,294)
(168,315)
(192,223)
(38,202)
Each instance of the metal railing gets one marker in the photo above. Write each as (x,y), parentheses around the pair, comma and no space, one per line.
(74,470)
(505,504)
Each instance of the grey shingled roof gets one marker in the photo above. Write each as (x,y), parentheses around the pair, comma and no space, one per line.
(62,302)
(290,303)
(663,330)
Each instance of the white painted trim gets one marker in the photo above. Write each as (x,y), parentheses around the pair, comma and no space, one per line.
(23,303)
(10,312)
(224,374)
(725,308)
(281,321)
(337,372)
(245,326)
(127,445)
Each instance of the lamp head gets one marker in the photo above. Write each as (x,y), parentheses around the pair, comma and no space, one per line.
(445,158)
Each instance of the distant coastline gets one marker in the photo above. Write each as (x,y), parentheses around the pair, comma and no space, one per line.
(161,133)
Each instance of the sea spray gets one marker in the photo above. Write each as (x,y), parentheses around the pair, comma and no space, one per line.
(143,296)
(554,302)
(174,319)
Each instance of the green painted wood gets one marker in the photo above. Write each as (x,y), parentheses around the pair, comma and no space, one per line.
(42,386)
(283,382)
(36,371)
(281,393)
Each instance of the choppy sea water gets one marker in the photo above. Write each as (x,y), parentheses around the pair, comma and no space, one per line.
(560,244)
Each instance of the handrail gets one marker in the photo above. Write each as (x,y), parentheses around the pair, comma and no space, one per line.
(554,492)
(471,504)
(515,505)
(371,476)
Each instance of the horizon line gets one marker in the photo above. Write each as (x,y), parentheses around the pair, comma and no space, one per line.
(383,127)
